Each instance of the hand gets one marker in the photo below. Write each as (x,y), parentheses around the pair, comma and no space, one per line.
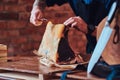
(76,22)
(36,15)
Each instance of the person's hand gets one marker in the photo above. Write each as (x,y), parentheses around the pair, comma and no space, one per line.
(76,22)
(36,15)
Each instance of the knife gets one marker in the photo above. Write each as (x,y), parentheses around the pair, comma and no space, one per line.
(103,39)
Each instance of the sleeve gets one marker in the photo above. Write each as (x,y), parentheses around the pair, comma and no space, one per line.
(40,3)
(53,2)
(37,2)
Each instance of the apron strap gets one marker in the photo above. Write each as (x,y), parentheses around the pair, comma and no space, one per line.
(115,72)
(79,67)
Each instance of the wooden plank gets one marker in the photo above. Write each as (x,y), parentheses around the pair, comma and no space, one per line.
(8,78)
(3,53)
(32,65)
(3,59)
(18,76)
(28,64)
(21,65)
(80,75)
(3,47)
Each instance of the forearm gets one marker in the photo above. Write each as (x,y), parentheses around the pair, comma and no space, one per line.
(40,3)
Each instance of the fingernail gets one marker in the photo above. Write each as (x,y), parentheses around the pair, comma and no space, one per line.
(44,19)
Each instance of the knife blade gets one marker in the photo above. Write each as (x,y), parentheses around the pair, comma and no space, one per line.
(103,39)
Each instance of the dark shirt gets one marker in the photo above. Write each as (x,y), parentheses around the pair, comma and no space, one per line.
(91,13)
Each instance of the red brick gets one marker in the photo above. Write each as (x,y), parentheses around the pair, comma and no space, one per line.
(1,1)
(11,51)
(24,16)
(3,25)
(18,40)
(13,33)
(15,8)
(30,31)
(36,45)
(36,29)
(30,24)
(1,7)
(26,2)
(36,37)
(16,24)
(8,16)
(9,1)
(3,34)
(4,40)
(28,8)
(26,47)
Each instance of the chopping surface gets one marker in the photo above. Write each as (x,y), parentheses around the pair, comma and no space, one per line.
(31,65)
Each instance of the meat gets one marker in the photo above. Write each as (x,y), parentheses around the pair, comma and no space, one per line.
(54,46)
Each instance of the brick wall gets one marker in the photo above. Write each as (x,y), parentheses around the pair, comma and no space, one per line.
(21,36)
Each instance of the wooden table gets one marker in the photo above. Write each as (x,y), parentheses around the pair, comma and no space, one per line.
(30,67)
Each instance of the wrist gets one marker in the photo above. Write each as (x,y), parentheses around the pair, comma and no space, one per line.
(91,29)
(35,9)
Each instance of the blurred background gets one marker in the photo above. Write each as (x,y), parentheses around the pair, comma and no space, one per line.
(21,37)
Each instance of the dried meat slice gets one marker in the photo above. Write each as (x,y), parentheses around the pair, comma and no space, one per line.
(54,46)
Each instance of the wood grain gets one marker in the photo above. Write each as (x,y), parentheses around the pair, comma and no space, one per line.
(30,65)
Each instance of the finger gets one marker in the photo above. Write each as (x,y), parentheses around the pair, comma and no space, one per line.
(32,19)
(39,16)
(69,22)
(74,24)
